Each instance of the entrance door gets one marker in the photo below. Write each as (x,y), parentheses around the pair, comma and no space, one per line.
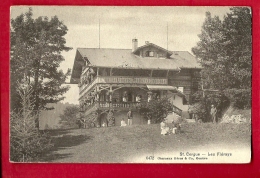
(102,121)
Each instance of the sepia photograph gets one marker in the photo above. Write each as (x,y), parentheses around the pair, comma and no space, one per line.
(129,84)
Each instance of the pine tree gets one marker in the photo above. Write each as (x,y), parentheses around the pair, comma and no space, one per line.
(36,46)
(27,142)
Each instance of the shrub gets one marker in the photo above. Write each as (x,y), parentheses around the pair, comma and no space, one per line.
(156,109)
(69,117)
(240,98)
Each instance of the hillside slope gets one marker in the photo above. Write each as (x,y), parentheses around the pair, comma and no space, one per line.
(134,143)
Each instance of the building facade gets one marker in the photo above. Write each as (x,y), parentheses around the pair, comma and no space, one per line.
(112,81)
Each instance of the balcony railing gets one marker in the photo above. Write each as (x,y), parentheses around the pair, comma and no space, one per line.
(85,87)
(177,110)
(132,80)
(105,104)
(87,106)
(122,80)
(121,105)
(84,70)
(110,105)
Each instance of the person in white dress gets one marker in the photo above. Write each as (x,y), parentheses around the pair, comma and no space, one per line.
(123,123)
(164,129)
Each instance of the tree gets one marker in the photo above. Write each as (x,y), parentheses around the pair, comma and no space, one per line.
(238,45)
(210,51)
(27,143)
(69,117)
(202,105)
(36,46)
(225,51)
(156,109)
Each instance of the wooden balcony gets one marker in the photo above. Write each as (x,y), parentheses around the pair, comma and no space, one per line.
(105,105)
(119,105)
(122,80)
(111,105)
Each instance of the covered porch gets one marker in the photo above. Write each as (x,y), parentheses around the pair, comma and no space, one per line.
(125,97)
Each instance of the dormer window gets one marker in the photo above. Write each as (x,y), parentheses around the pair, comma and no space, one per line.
(149,54)
(152,50)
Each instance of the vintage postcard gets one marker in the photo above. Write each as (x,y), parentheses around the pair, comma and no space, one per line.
(117,84)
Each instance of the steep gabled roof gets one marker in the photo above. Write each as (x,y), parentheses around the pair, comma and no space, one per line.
(124,58)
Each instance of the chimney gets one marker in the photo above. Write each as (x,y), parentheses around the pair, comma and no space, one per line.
(134,44)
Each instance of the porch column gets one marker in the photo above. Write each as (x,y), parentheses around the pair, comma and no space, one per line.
(110,93)
(111,71)
(97,71)
(97,93)
(167,74)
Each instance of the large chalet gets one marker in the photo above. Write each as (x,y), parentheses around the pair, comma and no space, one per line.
(112,81)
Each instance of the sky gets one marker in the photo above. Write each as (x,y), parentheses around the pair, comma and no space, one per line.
(120,24)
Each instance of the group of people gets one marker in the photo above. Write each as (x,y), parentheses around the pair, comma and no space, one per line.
(138,98)
(129,120)
(88,76)
(127,97)
(167,130)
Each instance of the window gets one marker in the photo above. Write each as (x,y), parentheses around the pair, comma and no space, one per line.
(149,54)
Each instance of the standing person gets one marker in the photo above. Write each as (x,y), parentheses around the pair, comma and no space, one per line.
(125,99)
(213,113)
(91,73)
(130,117)
(85,123)
(149,96)
(138,99)
(190,112)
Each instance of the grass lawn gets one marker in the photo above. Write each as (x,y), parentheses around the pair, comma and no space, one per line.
(135,143)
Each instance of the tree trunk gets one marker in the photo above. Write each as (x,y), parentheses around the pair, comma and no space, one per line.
(36,91)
